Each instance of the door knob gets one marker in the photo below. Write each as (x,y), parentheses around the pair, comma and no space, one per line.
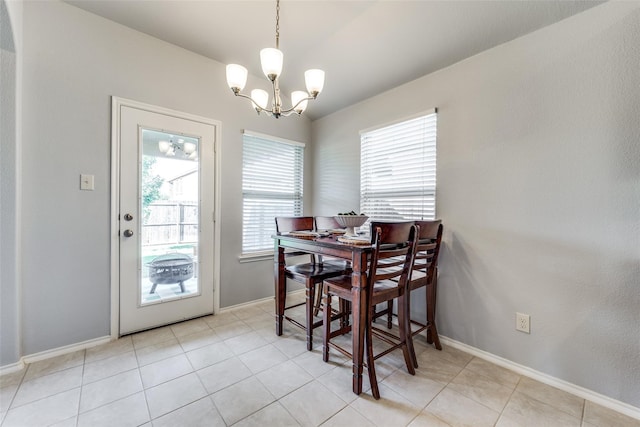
(128,233)
(128,217)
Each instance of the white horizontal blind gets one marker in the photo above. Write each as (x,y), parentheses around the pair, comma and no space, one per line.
(272,172)
(398,170)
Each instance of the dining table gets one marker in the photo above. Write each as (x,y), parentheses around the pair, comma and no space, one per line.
(329,245)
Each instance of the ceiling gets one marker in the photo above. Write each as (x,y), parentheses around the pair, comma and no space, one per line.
(365,47)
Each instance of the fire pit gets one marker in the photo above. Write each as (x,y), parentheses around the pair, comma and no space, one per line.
(170,268)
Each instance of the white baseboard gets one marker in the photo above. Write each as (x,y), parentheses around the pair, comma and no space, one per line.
(47,354)
(592,396)
(254,302)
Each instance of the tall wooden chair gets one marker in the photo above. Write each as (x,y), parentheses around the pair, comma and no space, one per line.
(424,275)
(309,273)
(391,261)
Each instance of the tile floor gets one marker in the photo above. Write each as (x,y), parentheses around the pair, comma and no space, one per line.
(231,369)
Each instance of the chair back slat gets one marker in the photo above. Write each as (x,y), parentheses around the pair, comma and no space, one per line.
(394,245)
(297,223)
(427,250)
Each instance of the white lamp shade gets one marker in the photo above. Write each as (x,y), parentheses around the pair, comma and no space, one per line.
(314,80)
(260,98)
(236,76)
(163,146)
(296,97)
(271,60)
(189,147)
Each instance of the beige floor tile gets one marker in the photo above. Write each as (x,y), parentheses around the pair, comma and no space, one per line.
(340,381)
(130,411)
(348,417)
(9,384)
(220,319)
(54,364)
(190,327)
(282,379)
(522,411)
(263,358)
(113,348)
(165,370)
(174,394)
(45,411)
(312,404)
(47,385)
(569,403)
(201,413)
(292,345)
(158,351)
(392,409)
(458,410)
(198,340)
(209,355)
(259,320)
(232,330)
(241,400)
(223,374)
(437,368)
(481,389)
(311,361)
(110,389)
(600,416)
(427,419)
(154,336)
(498,374)
(69,422)
(245,342)
(272,415)
(415,388)
(113,365)
(248,312)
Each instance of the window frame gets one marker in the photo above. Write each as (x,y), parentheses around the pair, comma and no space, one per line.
(416,198)
(258,191)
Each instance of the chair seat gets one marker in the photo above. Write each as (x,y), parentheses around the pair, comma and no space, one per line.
(317,271)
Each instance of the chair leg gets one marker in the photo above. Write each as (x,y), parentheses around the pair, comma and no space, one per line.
(371,369)
(326,325)
(310,292)
(412,350)
(318,301)
(389,313)
(406,339)
(432,332)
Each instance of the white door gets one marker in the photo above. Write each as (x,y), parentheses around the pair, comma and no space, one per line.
(166,218)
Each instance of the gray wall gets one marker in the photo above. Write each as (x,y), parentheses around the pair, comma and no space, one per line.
(10,39)
(73,63)
(539,191)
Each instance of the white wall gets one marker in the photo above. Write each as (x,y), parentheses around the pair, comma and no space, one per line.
(73,63)
(539,191)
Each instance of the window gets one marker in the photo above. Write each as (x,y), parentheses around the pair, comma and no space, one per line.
(398,170)
(271,186)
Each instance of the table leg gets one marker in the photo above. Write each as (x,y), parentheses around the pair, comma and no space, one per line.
(280,285)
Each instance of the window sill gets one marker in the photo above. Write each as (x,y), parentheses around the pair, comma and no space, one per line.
(255,256)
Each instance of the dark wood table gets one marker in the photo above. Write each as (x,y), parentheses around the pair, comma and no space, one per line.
(329,246)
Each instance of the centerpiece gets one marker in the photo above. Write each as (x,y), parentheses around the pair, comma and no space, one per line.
(351,221)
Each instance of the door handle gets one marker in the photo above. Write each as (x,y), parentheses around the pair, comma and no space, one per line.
(128,217)
(128,233)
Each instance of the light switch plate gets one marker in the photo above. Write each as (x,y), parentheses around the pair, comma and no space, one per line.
(86,182)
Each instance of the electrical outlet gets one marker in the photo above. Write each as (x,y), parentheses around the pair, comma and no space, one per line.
(523,323)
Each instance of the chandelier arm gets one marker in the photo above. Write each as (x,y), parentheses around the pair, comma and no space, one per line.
(257,107)
(309,98)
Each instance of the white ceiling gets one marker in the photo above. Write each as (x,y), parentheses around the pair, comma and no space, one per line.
(364,46)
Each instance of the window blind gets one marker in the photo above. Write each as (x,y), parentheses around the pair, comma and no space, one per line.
(398,170)
(272,172)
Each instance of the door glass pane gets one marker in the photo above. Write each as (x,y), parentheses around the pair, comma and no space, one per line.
(169,181)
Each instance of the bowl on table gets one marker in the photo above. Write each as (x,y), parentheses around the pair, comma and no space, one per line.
(351,222)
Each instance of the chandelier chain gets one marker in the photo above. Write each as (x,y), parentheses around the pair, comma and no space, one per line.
(277,24)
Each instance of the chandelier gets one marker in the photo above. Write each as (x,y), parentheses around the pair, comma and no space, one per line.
(271,60)
(181,149)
